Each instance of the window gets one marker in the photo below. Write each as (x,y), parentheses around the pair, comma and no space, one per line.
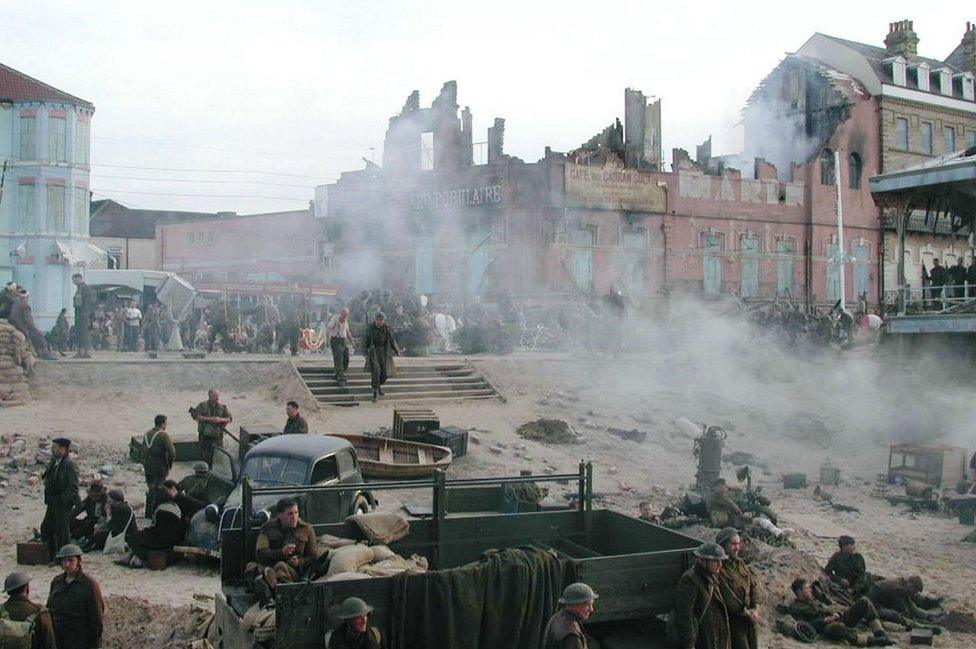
(970,138)
(28,138)
(325,470)
(210,238)
(347,462)
(114,258)
(854,171)
(57,146)
(949,138)
(81,210)
(901,133)
(827,167)
(191,239)
(927,137)
(426,151)
(81,141)
(55,208)
(26,208)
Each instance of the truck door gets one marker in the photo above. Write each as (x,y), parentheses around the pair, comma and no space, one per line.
(222,476)
(325,507)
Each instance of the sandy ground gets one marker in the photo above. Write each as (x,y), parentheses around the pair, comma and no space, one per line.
(791,412)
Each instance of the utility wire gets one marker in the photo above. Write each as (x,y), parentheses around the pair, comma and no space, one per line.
(211,171)
(219,148)
(105,191)
(178,180)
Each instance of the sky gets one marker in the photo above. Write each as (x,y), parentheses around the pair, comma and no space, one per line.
(245,106)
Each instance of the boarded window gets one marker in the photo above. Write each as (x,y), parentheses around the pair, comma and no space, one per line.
(785,266)
(827,167)
(81,141)
(583,241)
(901,133)
(926,137)
(26,208)
(833,273)
(55,209)
(28,138)
(862,257)
(854,171)
(426,151)
(949,138)
(749,266)
(57,143)
(635,259)
(81,210)
(970,138)
(711,243)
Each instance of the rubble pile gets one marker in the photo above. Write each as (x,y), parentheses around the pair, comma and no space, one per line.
(157,626)
(16,364)
(548,431)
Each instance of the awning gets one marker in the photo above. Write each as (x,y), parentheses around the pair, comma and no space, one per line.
(81,253)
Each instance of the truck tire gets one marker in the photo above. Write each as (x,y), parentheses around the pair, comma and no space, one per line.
(361,505)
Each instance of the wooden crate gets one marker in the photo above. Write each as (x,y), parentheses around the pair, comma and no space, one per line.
(33,553)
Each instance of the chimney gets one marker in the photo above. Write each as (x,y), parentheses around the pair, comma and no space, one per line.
(901,39)
(969,48)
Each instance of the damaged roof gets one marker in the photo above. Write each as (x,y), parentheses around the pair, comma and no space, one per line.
(16,86)
(849,87)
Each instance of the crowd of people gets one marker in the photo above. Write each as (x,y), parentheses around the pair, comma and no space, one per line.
(943,283)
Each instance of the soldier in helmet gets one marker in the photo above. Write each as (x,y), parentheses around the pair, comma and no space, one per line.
(75,602)
(35,619)
(196,484)
(564,630)
(355,631)
(740,592)
(700,619)
(834,623)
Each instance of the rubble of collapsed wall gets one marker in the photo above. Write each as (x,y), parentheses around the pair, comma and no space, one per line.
(16,365)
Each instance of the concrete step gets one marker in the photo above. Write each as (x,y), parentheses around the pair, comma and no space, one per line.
(354,366)
(420,380)
(485,393)
(400,389)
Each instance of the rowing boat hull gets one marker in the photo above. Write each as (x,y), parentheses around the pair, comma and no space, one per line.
(385,457)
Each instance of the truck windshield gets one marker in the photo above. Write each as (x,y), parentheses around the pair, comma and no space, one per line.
(268,470)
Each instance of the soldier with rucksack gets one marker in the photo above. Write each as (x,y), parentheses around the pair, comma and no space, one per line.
(23,624)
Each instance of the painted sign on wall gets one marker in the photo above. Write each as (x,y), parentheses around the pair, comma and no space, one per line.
(614,188)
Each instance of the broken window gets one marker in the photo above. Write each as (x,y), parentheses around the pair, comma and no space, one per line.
(827,167)
(426,151)
(854,171)
(901,133)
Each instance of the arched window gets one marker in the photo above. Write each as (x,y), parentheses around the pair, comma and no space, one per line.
(827,167)
(854,171)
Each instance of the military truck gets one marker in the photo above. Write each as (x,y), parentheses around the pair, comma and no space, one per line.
(633,564)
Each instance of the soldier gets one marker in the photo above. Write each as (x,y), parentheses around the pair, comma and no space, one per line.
(285,547)
(381,346)
(158,456)
(355,631)
(61,333)
(35,620)
(7,296)
(721,507)
(837,625)
(22,317)
(151,327)
(211,417)
(846,567)
(196,485)
(564,630)
(120,521)
(740,591)
(60,495)
(700,619)
(295,424)
(900,600)
(94,509)
(340,341)
(84,302)
(169,491)
(167,530)
(76,605)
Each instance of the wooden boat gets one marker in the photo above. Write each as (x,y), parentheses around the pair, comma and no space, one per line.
(385,457)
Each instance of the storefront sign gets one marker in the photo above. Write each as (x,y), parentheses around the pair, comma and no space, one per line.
(614,188)
(486,195)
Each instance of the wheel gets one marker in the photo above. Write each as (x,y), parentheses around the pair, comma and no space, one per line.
(361,505)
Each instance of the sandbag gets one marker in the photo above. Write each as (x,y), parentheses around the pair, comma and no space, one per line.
(381,527)
(332,542)
(349,559)
(347,576)
(257,616)
(383,553)
(395,566)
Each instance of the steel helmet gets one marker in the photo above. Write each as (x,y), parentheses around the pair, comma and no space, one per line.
(354,607)
(70,550)
(726,535)
(200,467)
(14,581)
(710,551)
(578,593)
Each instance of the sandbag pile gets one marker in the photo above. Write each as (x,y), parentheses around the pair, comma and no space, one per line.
(16,364)
(351,560)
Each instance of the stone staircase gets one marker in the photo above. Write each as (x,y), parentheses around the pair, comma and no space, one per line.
(428,381)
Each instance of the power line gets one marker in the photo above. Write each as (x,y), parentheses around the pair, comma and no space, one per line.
(219,148)
(211,171)
(106,191)
(178,180)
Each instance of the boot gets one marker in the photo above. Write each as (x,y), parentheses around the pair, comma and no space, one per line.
(136,562)
(124,561)
(375,395)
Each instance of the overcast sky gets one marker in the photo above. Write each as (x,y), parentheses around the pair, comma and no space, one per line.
(306,88)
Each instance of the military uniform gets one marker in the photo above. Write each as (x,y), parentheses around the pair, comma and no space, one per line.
(896,601)
(151,325)
(295,426)
(721,508)
(850,567)
(195,486)
(700,619)
(61,334)
(158,456)
(271,540)
(60,496)
(380,349)
(740,592)
(19,609)
(345,637)
(564,632)
(844,628)
(84,303)
(210,435)
(76,611)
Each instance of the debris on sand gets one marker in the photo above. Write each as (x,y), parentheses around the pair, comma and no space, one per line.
(550,431)
(808,427)
(742,458)
(958,622)
(631,435)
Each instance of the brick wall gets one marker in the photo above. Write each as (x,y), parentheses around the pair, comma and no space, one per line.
(894,158)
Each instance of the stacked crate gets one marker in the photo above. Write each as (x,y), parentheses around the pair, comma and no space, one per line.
(413,423)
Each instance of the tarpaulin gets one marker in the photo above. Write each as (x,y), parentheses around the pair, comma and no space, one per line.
(503,600)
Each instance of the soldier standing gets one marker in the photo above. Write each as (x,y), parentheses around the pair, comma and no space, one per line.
(60,495)
(295,424)
(158,456)
(700,619)
(740,591)
(355,631)
(61,333)
(151,325)
(340,341)
(36,620)
(211,417)
(564,630)
(76,605)
(84,302)
(381,346)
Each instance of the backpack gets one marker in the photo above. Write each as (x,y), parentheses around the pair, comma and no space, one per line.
(16,635)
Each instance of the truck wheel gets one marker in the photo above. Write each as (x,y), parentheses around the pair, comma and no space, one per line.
(361,505)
